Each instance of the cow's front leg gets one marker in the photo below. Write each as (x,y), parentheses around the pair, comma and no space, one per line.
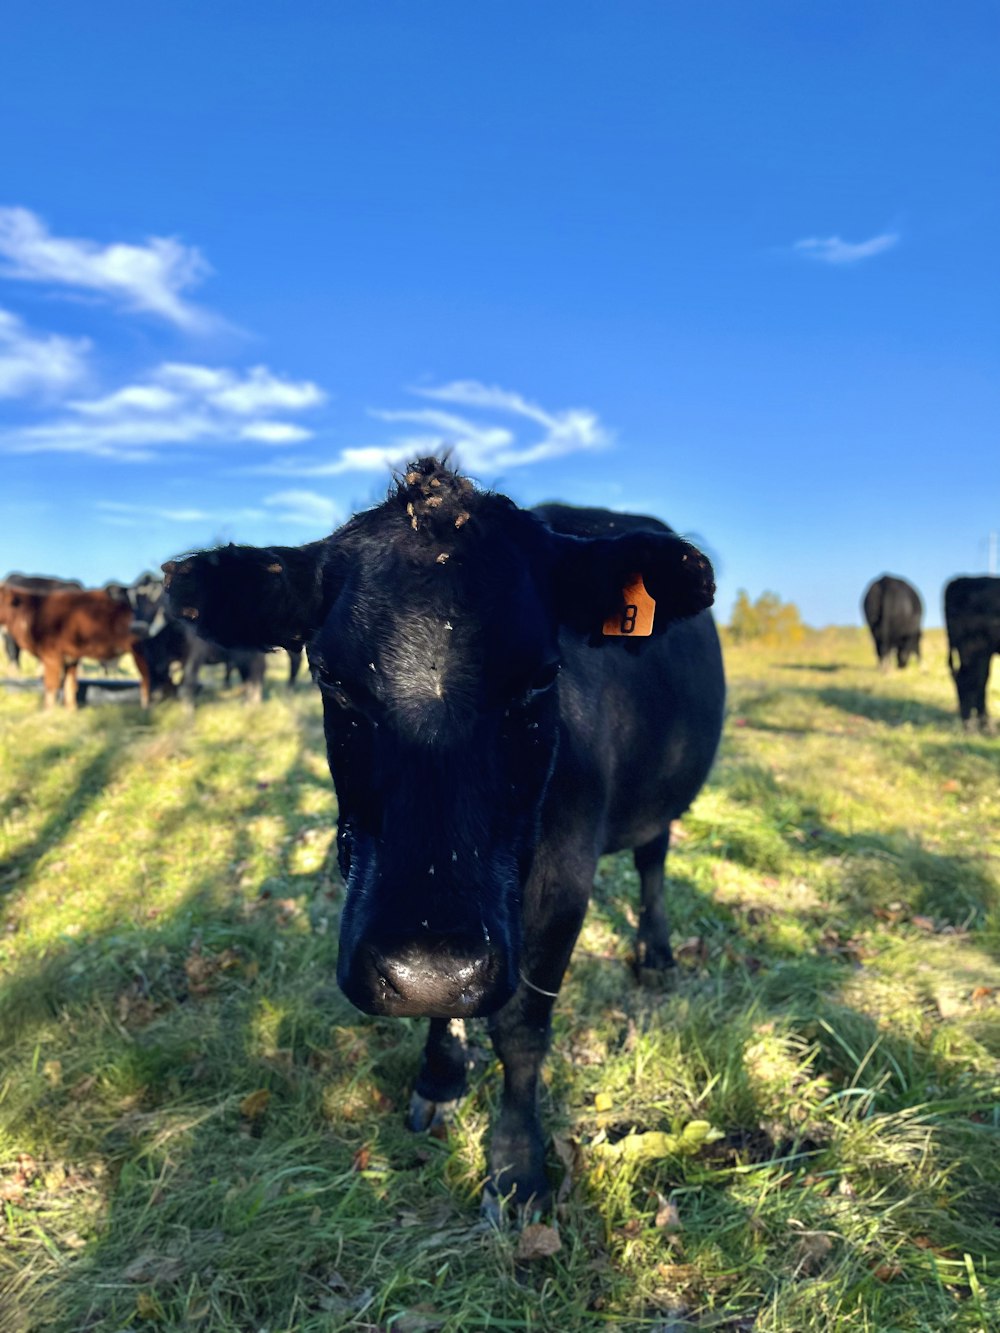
(52,674)
(441,1081)
(520,1033)
(652,946)
(69,685)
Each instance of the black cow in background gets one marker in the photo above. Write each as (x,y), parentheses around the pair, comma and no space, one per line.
(507,696)
(972,618)
(176,644)
(29,583)
(893,610)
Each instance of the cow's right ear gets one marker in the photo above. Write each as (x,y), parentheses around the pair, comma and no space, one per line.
(251,596)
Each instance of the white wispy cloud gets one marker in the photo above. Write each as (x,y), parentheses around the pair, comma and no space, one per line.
(149,277)
(481,444)
(38,364)
(307,508)
(178,403)
(122,514)
(300,507)
(832,250)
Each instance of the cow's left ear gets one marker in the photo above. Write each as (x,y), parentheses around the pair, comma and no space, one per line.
(252,596)
(631,586)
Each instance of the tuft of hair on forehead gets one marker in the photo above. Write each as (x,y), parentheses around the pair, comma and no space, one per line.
(435,497)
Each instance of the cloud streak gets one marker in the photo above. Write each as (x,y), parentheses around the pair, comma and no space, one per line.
(150,277)
(32,364)
(301,508)
(525,434)
(832,250)
(178,403)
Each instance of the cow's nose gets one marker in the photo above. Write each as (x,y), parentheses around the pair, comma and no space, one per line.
(428,976)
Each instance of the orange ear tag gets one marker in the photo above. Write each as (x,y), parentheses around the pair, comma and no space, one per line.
(635,619)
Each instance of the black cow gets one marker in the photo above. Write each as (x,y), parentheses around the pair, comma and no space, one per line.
(495,721)
(972,617)
(893,610)
(176,643)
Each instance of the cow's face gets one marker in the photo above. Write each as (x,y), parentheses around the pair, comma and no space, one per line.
(433,624)
(438,663)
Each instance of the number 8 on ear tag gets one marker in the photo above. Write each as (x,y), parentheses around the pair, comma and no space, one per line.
(635,618)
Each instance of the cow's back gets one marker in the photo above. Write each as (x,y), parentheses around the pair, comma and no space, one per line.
(640,722)
(74,624)
(894,605)
(972,610)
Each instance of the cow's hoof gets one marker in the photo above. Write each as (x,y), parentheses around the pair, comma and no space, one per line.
(653,959)
(425,1116)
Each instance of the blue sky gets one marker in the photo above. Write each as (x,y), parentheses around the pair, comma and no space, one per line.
(732,264)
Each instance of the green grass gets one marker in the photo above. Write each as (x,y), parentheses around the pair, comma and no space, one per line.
(197,1132)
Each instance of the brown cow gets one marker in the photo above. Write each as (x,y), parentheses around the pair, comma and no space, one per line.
(62,627)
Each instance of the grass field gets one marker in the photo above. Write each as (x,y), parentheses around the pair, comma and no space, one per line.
(197,1132)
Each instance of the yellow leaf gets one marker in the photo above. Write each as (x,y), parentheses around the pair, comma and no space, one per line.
(147,1306)
(254,1105)
(603,1102)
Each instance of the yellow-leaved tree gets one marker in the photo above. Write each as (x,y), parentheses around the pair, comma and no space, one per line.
(768,619)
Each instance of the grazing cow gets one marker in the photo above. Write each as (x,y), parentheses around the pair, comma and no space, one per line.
(30,583)
(504,702)
(893,610)
(62,627)
(972,617)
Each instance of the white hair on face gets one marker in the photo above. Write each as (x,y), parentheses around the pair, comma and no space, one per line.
(418,661)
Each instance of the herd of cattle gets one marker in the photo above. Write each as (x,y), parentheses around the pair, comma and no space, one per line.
(62,623)
(894,611)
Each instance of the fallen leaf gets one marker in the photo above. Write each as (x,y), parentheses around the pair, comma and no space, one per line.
(693,949)
(255,1104)
(923,923)
(361,1158)
(153,1267)
(812,1250)
(537,1241)
(982,993)
(655,1143)
(886,1272)
(570,1154)
(667,1216)
(603,1101)
(147,1306)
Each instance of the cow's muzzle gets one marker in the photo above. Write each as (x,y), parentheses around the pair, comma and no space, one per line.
(426,975)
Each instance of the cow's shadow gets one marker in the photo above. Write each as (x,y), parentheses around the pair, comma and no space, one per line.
(888,709)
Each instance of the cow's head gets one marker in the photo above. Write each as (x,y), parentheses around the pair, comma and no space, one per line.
(433,629)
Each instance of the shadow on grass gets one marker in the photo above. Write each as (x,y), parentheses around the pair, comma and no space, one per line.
(241,1123)
(890,711)
(93,777)
(244,1123)
(826,668)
